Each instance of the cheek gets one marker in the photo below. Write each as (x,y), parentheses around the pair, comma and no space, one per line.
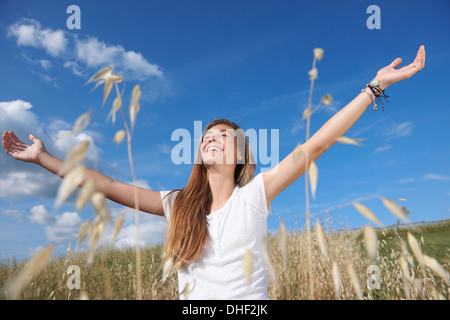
(231,149)
(202,147)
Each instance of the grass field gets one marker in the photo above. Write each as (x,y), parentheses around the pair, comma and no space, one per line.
(112,275)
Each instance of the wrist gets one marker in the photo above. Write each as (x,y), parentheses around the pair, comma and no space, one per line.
(375,91)
(382,83)
(41,158)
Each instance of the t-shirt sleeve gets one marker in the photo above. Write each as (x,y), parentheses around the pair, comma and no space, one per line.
(255,194)
(167,202)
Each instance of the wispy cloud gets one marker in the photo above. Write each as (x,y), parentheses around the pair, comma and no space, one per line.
(16,214)
(399,130)
(165,148)
(80,55)
(45,64)
(433,176)
(95,54)
(298,126)
(19,179)
(40,215)
(58,228)
(65,228)
(29,32)
(382,148)
(406,180)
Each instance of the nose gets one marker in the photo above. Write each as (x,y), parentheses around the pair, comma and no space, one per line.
(213,137)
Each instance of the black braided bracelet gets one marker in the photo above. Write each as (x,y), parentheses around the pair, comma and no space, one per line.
(378,93)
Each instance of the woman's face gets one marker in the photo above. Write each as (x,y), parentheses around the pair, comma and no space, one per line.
(219,145)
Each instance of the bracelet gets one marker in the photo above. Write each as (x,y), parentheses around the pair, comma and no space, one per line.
(379,94)
(374,85)
(370,96)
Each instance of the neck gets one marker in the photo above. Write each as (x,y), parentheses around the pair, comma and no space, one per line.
(222,186)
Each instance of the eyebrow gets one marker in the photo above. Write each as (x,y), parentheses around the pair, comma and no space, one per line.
(222,130)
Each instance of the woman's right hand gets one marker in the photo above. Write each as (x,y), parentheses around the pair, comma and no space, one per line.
(21,151)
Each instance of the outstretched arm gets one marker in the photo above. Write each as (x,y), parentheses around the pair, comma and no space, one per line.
(149,200)
(289,170)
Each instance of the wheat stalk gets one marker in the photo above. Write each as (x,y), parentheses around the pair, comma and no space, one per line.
(321,240)
(370,237)
(283,242)
(248,266)
(354,279)
(39,261)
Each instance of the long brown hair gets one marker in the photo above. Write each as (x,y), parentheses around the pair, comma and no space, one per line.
(188,230)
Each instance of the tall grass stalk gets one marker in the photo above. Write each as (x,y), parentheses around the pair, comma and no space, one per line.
(307,216)
(136,202)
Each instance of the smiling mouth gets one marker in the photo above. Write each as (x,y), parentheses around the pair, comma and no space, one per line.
(211,149)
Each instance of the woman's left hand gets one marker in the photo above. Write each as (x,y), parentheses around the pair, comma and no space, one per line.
(388,75)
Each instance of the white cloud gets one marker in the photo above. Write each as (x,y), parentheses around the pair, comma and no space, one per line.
(136,63)
(95,54)
(19,183)
(406,180)
(142,183)
(45,64)
(299,125)
(18,109)
(382,148)
(165,148)
(58,228)
(151,231)
(40,215)
(28,32)
(64,141)
(65,228)
(90,53)
(432,176)
(20,179)
(13,213)
(76,69)
(399,130)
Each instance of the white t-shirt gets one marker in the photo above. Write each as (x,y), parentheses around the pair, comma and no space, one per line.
(239,225)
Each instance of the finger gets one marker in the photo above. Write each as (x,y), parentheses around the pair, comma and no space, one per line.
(16,142)
(423,55)
(5,146)
(33,138)
(419,62)
(8,140)
(396,63)
(4,136)
(416,66)
(14,137)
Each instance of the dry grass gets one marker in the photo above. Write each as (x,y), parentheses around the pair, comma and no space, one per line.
(111,276)
(343,272)
(340,274)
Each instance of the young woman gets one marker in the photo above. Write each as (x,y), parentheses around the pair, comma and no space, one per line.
(221,213)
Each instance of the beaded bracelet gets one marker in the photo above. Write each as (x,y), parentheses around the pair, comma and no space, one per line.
(379,94)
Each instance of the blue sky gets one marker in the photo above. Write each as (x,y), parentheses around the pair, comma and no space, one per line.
(247,61)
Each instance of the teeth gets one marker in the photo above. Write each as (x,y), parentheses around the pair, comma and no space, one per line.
(213,149)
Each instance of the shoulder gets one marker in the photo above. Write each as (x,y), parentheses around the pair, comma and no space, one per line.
(255,194)
(167,198)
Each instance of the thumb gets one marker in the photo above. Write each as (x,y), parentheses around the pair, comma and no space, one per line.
(33,138)
(396,63)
